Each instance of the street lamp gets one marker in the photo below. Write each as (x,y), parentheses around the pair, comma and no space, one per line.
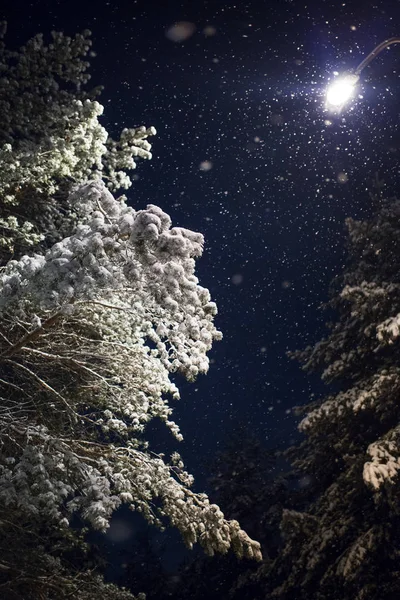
(343,88)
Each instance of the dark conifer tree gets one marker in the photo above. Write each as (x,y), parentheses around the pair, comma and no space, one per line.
(249,486)
(346,545)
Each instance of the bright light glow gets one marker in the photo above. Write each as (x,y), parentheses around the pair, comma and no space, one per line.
(341,91)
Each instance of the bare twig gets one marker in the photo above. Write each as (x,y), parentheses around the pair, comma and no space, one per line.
(30,336)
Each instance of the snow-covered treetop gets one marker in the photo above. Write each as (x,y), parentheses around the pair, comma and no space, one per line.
(51,137)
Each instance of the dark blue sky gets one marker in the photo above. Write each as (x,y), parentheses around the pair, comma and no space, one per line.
(244,96)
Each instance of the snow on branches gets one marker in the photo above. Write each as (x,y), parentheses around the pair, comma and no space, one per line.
(50,135)
(113,309)
(385,461)
(123,263)
(362,348)
(100,309)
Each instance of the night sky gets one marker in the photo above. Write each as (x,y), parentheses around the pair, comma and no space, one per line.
(246,154)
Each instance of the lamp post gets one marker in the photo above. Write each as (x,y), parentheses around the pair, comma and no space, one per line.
(343,88)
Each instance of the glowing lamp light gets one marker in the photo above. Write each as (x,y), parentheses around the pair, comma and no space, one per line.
(343,88)
(341,91)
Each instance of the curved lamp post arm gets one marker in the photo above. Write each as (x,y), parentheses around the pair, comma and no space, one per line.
(375,52)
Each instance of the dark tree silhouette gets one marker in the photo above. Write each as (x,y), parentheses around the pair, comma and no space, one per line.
(346,544)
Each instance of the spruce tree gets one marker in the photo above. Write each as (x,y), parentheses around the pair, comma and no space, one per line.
(346,545)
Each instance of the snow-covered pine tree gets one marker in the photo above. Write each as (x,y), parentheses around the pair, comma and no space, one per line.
(347,545)
(99,305)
